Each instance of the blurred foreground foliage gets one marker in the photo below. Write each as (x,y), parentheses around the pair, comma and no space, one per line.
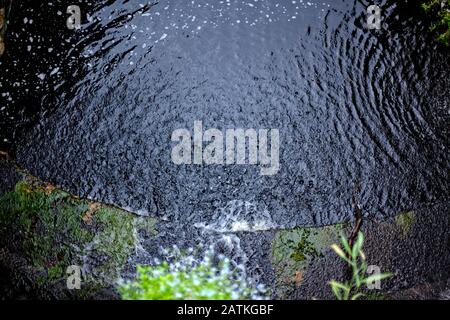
(190,278)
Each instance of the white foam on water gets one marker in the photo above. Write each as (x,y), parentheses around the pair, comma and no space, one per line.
(239,216)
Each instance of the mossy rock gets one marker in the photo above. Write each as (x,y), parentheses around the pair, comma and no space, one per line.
(405,221)
(439,12)
(295,249)
(51,230)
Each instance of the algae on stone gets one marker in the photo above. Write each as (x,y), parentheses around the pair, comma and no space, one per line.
(405,222)
(116,240)
(293,250)
(48,227)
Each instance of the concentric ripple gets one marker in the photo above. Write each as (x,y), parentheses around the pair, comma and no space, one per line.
(359,111)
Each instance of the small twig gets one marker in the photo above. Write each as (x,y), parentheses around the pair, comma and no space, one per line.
(358,221)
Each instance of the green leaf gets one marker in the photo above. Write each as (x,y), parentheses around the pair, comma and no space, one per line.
(340,253)
(336,292)
(356,275)
(339,285)
(345,244)
(357,296)
(357,245)
(362,255)
(377,277)
(340,290)
(363,267)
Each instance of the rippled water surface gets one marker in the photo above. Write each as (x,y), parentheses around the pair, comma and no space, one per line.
(359,111)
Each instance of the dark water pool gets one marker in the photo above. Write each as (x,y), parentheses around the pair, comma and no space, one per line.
(93,110)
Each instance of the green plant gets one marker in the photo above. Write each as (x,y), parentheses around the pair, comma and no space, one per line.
(440,9)
(356,259)
(187,279)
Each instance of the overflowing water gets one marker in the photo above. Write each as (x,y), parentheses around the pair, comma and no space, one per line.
(358,111)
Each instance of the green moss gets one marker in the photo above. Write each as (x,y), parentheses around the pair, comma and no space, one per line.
(43,228)
(50,228)
(439,10)
(405,221)
(304,248)
(293,250)
(117,238)
(55,272)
